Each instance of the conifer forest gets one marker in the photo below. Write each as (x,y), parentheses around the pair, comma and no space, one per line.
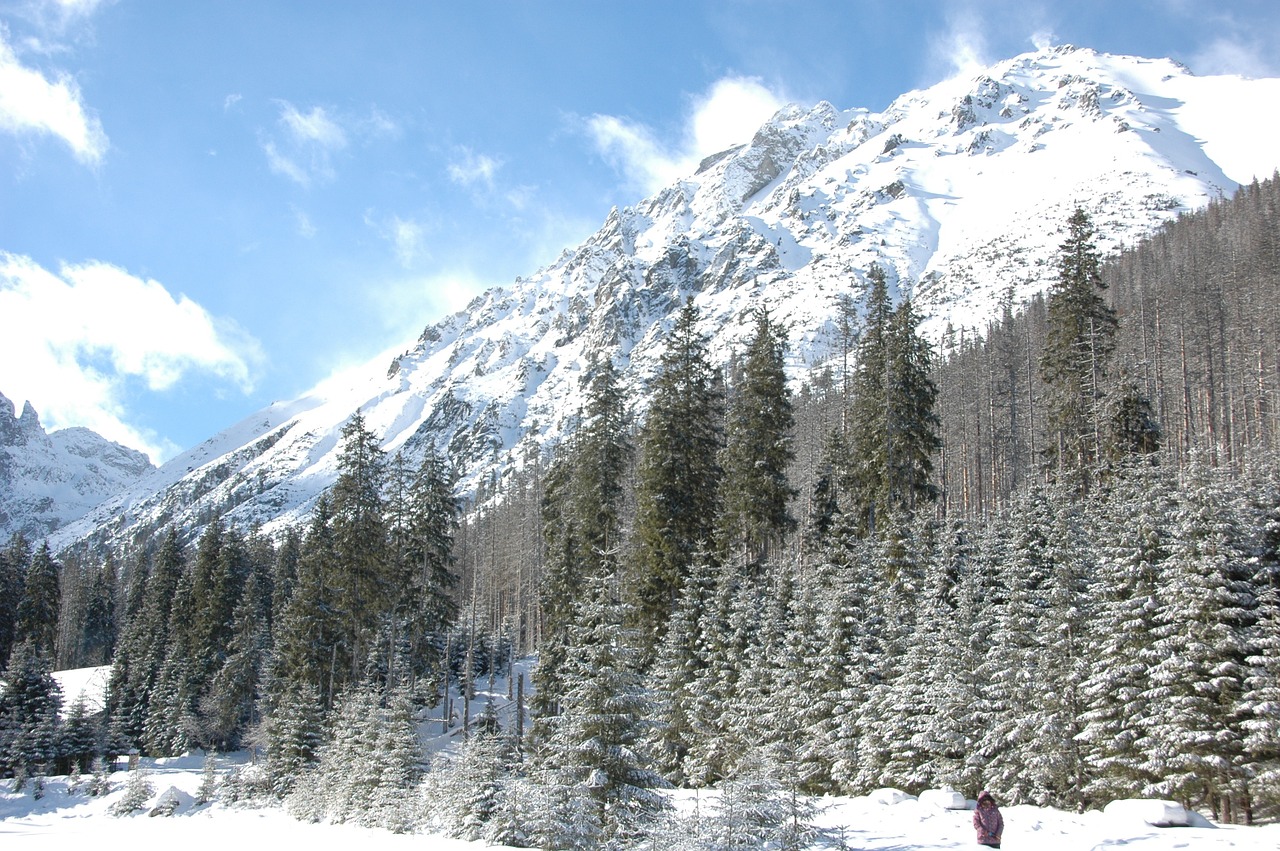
(1042,557)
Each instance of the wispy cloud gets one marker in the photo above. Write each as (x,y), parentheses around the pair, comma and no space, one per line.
(76,341)
(728,113)
(33,104)
(1234,55)
(303,146)
(961,50)
(407,237)
(471,168)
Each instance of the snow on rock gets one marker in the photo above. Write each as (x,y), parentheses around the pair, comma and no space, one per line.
(888,797)
(172,801)
(960,192)
(50,479)
(1149,811)
(944,799)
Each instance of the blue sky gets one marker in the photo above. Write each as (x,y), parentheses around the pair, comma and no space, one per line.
(209,206)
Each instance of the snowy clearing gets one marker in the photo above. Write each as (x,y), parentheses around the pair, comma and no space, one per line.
(61,820)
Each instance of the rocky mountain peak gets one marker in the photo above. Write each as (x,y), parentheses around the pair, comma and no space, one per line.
(959,192)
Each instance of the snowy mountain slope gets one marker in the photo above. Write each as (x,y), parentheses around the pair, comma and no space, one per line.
(47,480)
(960,191)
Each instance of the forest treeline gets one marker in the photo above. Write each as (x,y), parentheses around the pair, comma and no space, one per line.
(1045,560)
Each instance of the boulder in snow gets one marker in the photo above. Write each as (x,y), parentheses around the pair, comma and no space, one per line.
(944,799)
(889,797)
(1150,811)
(171,801)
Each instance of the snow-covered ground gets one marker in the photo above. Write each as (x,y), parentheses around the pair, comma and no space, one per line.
(880,821)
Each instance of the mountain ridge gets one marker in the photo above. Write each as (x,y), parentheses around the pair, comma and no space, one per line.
(957,190)
(50,479)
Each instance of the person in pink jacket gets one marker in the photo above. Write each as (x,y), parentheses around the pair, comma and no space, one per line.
(987,820)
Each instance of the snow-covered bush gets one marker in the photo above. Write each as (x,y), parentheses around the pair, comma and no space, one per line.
(137,791)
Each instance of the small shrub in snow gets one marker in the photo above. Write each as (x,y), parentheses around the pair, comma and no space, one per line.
(137,791)
(208,780)
(100,782)
(248,784)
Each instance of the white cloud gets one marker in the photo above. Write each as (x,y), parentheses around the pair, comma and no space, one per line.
(474,168)
(32,103)
(1228,55)
(313,127)
(408,237)
(303,150)
(231,100)
(727,114)
(1042,39)
(962,50)
(75,342)
(306,228)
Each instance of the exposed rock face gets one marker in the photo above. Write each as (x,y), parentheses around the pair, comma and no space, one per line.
(959,191)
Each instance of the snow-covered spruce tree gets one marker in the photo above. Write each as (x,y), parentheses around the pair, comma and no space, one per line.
(1036,661)
(1077,351)
(29,704)
(1194,738)
(80,737)
(14,559)
(1261,700)
(755,491)
(859,616)
(368,767)
(674,674)
(307,634)
(1130,528)
(295,734)
(759,809)
(463,793)
(677,492)
(760,712)
(38,608)
(424,512)
(593,748)
(171,705)
(1067,650)
(956,576)
(365,583)
(884,734)
(933,688)
(581,511)
(144,644)
(726,632)
(231,701)
(137,791)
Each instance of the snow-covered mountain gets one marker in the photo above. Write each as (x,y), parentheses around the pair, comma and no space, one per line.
(48,480)
(959,191)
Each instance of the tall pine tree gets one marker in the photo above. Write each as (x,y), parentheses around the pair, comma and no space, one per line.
(678,492)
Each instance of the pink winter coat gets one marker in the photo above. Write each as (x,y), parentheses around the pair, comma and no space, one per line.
(987,821)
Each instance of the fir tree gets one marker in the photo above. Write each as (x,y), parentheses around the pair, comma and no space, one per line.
(29,704)
(1194,737)
(41,596)
(1074,363)
(755,491)
(306,644)
(364,583)
(14,559)
(582,509)
(677,493)
(891,427)
(594,744)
